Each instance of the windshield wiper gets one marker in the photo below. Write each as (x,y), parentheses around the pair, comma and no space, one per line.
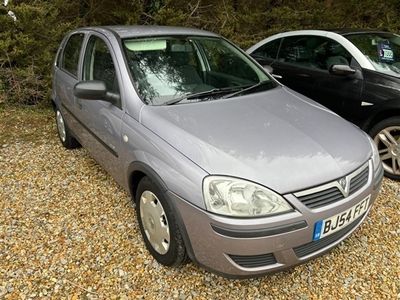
(248,88)
(202,94)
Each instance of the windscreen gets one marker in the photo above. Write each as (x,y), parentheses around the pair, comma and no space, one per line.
(381,49)
(167,68)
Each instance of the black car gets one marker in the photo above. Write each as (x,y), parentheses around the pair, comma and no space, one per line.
(355,73)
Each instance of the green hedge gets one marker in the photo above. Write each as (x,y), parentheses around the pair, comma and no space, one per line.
(27,46)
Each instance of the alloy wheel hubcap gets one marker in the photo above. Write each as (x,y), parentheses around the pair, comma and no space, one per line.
(61,126)
(155,223)
(388,143)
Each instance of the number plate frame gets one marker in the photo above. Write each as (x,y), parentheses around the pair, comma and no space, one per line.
(323,228)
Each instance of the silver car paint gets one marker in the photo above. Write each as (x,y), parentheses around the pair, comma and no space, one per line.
(262,137)
(212,249)
(277,138)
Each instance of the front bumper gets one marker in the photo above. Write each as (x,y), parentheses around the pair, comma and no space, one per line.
(235,247)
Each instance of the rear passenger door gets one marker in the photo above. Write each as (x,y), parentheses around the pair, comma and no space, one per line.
(66,75)
(101,120)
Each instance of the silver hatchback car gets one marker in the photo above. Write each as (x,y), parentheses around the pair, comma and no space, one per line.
(226,166)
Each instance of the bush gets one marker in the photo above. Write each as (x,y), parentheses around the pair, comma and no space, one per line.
(28,46)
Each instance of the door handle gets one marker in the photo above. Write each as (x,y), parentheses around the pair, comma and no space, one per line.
(277,76)
(304,75)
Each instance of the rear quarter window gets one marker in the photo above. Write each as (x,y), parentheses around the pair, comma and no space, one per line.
(70,55)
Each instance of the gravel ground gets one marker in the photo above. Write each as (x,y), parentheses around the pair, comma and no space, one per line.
(68,231)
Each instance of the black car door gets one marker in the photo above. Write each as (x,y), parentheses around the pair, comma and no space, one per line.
(295,66)
(304,63)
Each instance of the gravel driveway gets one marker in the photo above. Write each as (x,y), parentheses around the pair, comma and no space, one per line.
(68,231)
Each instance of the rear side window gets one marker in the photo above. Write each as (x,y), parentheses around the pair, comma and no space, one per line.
(268,50)
(70,57)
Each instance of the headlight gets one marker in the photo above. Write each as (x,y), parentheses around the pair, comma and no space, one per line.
(376,160)
(240,198)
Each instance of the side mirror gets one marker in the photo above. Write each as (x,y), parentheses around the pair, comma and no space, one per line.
(94,90)
(268,68)
(341,70)
(90,90)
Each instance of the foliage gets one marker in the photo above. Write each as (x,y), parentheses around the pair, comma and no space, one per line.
(28,46)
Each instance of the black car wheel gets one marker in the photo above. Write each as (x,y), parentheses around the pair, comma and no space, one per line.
(386,135)
(158,226)
(64,133)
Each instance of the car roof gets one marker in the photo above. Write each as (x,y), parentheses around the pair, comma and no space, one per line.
(348,31)
(128,31)
(341,38)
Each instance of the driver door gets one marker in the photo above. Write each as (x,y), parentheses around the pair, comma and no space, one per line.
(304,62)
(101,120)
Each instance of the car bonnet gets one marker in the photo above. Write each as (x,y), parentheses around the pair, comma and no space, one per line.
(277,138)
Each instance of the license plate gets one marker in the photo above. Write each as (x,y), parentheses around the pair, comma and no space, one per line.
(328,226)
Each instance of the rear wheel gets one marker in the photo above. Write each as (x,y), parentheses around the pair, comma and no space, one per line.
(158,225)
(386,135)
(64,133)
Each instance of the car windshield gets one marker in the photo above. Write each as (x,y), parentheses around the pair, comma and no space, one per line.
(168,70)
(381,49)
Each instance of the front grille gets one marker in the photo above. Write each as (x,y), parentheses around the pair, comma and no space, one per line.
(314,246)
(254,261)
(359,181)
(322,198)
(330,192)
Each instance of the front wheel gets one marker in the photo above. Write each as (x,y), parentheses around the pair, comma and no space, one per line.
(158,225)
(386,135)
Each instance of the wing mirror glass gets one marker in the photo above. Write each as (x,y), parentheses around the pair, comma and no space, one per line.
(342,70)
(268,68)
(94,90)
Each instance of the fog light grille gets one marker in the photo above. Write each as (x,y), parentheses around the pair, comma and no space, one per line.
(254,261)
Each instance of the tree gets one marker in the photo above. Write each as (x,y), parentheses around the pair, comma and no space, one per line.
(28,45)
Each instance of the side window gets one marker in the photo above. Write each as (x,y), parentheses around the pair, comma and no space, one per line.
(98,64)
(70,56)
(313,52)
(268,50)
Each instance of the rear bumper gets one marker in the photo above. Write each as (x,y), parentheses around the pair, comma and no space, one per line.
(251,247)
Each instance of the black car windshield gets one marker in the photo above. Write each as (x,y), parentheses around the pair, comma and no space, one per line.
(381,49)
(168,70)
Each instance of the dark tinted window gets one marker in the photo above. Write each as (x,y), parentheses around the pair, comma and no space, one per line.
(71,53)
(313,52)
(99,65)
(268,50)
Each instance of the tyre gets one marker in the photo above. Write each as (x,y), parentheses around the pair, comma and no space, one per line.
(158,225)
(386,135)
(64,133)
